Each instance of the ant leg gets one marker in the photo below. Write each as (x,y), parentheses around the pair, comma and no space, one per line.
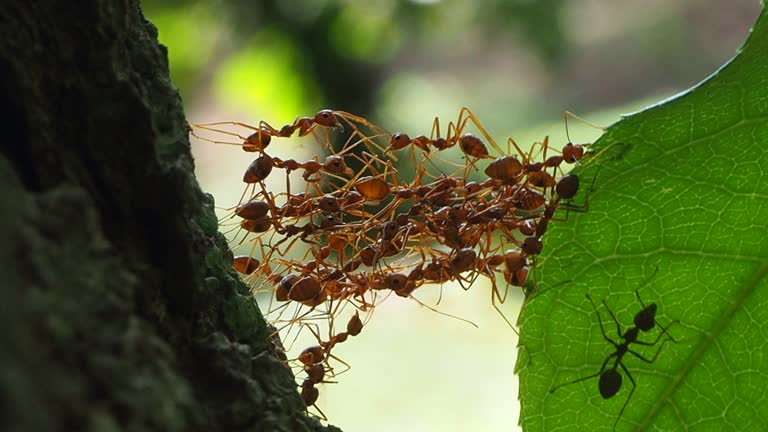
(442,313)
(347,365)
(471,117)
(435,133)
(602,368)
(664,330)
(523,156)
(352,142)
(264,128)
(301,320)
(637,291)
(658,338)
(200,137)
(618,326)
(495,292)
(469,281)
(544,146)
(262,124)
(655,356)
(496,306)
(567,114)
(537,293)
(581,208)
(637,294)
(275,247)
(350,119)
(452,135)
(634,386)
(322,414)
(600,321)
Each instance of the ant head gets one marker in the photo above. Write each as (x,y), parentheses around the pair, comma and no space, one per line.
(646,318)
(395,281)
(311,355)
(532,246)
(399,141)
(463,260)
(326,118)
(610,383)
(389,230)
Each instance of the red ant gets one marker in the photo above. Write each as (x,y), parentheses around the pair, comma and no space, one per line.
(264,132)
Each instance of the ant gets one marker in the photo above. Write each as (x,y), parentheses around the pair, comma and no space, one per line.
(314,361)
(572,153)
(610,379)
(566,188)
(473,147)
(264,132)
(470,144)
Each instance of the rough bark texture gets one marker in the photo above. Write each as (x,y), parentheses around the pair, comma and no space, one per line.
(119,308)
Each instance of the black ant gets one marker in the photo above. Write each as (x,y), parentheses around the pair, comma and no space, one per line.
(610,379)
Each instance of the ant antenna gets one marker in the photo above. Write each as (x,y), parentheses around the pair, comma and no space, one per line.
(443,313)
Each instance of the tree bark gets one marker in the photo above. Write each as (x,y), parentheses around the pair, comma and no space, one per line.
(120,309)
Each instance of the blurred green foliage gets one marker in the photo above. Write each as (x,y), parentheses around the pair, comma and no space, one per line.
(247,78)
(187,32)
(328,51)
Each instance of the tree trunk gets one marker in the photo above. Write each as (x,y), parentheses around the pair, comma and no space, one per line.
(120,309)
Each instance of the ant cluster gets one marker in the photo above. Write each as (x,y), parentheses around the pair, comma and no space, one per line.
(367,232)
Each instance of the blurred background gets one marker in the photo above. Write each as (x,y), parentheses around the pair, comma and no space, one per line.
(517,64)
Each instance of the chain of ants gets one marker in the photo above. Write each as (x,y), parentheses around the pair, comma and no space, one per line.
(376,234)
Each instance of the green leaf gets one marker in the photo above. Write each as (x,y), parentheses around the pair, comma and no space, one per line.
(682,187)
